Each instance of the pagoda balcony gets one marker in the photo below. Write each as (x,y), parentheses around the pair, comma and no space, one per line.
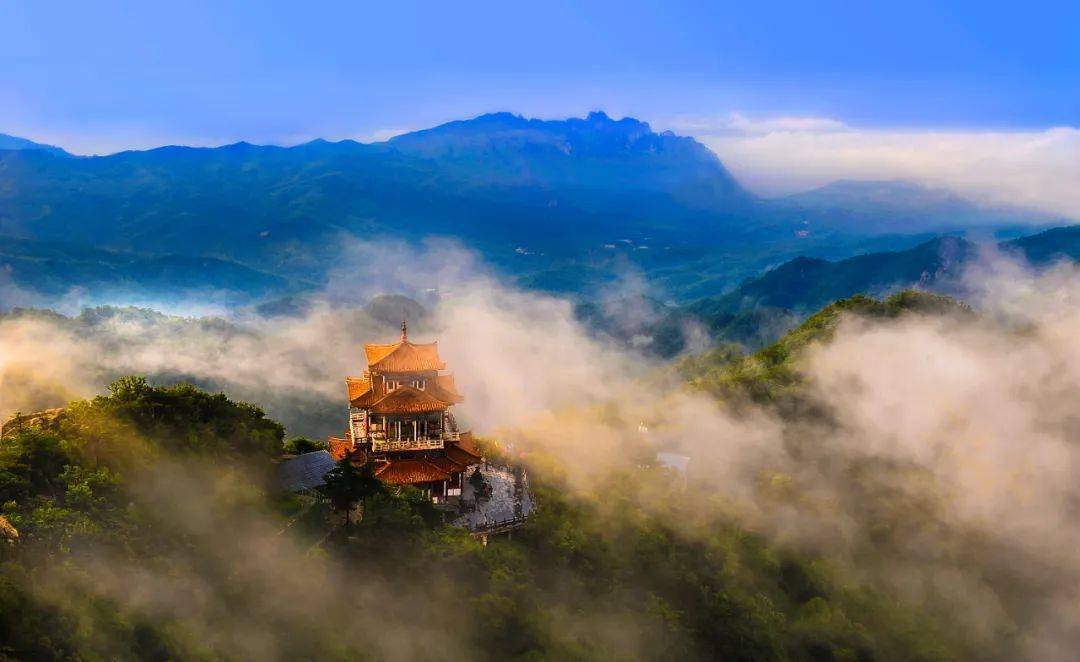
(380,444)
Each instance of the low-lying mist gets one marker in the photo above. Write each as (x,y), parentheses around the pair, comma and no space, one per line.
(940,469)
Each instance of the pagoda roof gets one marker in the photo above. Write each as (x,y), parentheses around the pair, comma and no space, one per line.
(446,464)
(404,356)
(366,392)
(468,444)
(464,451)
(365,397)
(358,386)
(443,388)
(408,400)
(410,472)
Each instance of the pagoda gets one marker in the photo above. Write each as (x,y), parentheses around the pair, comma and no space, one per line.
(400,420)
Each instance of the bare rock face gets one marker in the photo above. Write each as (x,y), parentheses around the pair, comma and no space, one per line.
(47,419)
(8,533)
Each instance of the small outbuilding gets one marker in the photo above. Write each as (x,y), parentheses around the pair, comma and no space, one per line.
(304,473)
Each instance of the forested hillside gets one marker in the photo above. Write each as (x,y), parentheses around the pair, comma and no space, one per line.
(762,308)
(129,497)
(149,527)
(771,374)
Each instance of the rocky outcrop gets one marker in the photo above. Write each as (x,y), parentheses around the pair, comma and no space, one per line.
(47,419)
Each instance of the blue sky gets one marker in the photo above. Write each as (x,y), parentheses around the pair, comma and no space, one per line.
(848,77)
(109,74)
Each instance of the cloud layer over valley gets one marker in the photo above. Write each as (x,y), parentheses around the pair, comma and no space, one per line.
(1036,169)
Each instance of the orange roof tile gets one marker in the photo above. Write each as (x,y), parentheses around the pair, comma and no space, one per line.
(404,356)
(462,456)
(357,386)
(468,444)
(407,400)
(377,391)
(410,472)
(444,389)
(446,464)
(376,352)
(370,396)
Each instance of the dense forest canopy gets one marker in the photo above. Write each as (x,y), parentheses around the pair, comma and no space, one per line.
(110,563)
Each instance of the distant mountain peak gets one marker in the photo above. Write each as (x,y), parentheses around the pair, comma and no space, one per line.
(499,116)
(596,133)
(623,154)
(599,118)
(495,180)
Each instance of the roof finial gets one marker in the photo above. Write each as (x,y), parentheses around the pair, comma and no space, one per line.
(404,331)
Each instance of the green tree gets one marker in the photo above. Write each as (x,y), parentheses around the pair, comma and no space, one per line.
(129,388)
(346,485)
(301,445)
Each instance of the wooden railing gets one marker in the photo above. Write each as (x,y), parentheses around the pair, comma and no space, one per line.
(422,444)
(379,442)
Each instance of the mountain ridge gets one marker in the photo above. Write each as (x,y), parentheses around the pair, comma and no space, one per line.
(568,203)
(384,177)
(15,143)
(538,201)
(774,299)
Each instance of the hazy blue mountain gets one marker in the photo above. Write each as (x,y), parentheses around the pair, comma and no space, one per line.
(578,156)
(1048,246)
(800,284)
(15,143)
(52,269)
(499,181)
(899,206)
(766,306)
(786,293)
(563,205)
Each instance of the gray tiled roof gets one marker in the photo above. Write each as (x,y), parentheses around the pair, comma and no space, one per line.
(304,472)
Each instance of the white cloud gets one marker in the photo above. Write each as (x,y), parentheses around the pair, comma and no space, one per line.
(740,124)
(382,135)
(1039,169)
